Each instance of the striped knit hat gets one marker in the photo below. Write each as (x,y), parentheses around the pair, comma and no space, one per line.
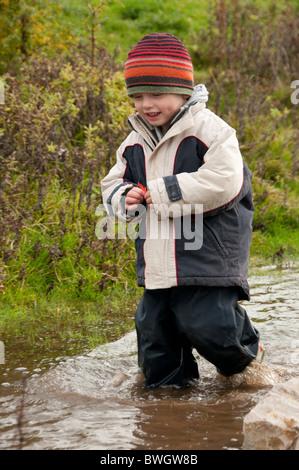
(159,63)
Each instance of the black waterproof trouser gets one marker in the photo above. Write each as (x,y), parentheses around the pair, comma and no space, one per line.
(171,322)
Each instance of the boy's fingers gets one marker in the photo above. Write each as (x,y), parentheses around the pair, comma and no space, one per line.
(136,190)
(148,197)
(134,197)
(133,200)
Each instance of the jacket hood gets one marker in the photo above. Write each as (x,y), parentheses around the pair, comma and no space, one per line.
(200,95)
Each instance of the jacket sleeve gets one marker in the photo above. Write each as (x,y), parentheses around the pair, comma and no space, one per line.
(114,189)
(213,186)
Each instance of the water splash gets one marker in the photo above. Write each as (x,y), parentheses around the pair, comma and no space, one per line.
(98,400)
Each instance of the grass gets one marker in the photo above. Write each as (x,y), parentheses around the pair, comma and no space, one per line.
(279,247)
(63,119)
(120,24)
(46,329)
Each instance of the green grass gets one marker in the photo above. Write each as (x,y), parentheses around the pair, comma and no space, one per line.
(45,328)
(281,247)
(122,23)
(59,287)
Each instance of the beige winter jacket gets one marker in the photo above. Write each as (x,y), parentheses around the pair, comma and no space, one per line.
(196,168)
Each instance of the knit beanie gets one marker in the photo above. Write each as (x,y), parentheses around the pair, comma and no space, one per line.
(159,63)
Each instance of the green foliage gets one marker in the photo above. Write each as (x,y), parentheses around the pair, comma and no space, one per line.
(45,329)
(248,57)
(65,114)
(27,27)
(62,122)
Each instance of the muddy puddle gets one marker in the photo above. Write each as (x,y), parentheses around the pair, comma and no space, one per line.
(97,400)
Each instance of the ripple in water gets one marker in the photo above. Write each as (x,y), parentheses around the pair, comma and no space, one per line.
(98,401)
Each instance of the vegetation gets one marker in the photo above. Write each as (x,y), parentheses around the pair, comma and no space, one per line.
(64,115)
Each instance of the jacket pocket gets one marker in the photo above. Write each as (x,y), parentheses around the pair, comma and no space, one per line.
(215,239)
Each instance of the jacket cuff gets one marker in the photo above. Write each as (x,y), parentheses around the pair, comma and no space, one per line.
(115,204)
(173,188)
(165,207)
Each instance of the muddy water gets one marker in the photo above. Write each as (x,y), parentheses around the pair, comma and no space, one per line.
(97,401)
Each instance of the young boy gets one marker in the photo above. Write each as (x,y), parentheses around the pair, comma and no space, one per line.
(189,161)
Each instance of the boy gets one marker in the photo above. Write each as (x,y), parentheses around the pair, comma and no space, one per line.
(189,161)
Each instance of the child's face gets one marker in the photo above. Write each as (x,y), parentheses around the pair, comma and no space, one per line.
(158,108)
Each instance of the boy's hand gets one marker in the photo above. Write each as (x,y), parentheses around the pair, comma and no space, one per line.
(134,197)
(148,198)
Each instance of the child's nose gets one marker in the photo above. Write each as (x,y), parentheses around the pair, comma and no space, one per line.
(147,102)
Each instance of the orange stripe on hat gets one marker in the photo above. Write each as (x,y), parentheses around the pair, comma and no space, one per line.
(161,60)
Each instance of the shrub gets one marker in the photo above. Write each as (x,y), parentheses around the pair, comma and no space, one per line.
(61,124)
(249,57)
(65,116)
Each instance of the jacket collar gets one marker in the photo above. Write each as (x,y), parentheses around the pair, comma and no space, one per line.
(153,136)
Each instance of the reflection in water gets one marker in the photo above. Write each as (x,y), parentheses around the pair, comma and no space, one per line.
(97,401)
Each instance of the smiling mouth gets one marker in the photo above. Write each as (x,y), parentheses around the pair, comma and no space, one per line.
(152,115)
